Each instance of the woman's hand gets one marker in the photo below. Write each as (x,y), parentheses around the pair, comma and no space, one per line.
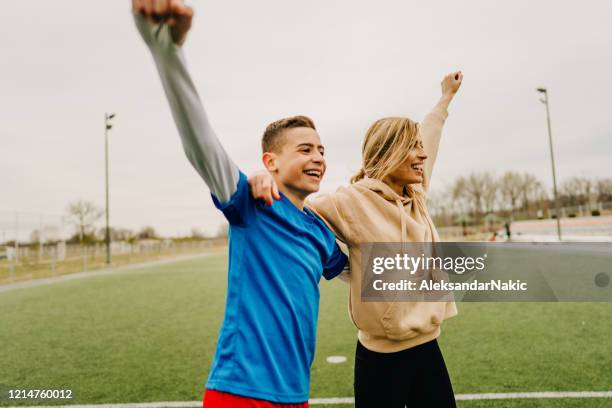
(263,187)
(451,83)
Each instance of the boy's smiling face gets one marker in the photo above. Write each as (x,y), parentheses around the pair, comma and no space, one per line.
(299,165)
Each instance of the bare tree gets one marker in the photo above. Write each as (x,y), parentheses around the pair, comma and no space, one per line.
(196,233)
(48,233)
(35,236)
(479,190)
(147,232)
(510,188)
(84,215)
(441,205)
(116,234)
(122,234)
(538,196)
(576,191)
(603,188)
(530,188)
(490,191)
(462,202)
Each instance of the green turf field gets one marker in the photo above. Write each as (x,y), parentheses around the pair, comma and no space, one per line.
(149,335)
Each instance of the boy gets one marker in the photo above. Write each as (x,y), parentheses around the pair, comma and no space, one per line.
(277,253)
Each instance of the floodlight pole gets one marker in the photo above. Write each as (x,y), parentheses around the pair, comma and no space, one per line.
(552,160)
(107,126)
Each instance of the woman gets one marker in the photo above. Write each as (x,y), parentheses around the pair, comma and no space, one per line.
(398,361)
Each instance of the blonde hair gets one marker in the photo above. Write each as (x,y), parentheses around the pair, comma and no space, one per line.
(386,145)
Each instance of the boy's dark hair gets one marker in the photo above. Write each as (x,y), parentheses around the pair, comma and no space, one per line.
(272,139)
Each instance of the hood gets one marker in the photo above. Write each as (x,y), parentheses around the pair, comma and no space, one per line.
(403,203)
(383,190)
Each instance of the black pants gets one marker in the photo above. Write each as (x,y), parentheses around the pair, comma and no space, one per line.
(416,377)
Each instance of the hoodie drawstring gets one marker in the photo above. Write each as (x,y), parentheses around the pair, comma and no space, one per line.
(400,207)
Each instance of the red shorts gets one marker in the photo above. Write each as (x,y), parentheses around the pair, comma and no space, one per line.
(219,399)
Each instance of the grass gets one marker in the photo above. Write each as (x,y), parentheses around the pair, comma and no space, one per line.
(149,335)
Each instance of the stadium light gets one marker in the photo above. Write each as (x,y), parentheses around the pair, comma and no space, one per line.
(107,126)
(544,100)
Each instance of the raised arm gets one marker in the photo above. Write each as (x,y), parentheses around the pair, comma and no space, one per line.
(163,26)
(432,124)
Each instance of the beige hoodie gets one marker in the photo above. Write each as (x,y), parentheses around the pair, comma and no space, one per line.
(370,211)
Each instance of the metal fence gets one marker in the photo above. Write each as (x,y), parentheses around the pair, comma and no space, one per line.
(34,261)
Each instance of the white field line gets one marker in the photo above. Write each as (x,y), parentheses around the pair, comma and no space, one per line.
(543,394)
(97,272)
(350,400)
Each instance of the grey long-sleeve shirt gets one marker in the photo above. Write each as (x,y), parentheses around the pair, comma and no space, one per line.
(201,145)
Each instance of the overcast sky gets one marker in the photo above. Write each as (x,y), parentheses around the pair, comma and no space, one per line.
(344,63)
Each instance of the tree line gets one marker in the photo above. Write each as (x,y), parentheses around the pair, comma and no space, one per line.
(512,195)
(85,217)
(469,199)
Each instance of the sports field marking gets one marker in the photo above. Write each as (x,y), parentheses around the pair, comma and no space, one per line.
(543,394)
(336,359)
(350,400)
(98,272)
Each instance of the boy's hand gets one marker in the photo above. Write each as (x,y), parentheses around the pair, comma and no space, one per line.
(451,83)
(263,187)
(172,12)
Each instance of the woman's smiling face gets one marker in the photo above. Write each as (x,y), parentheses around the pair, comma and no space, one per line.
(411,170)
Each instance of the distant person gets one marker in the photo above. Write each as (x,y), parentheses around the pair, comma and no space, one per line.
(508,232)
(277,253)
(397,361)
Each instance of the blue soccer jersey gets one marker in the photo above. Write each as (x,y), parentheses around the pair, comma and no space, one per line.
(277,255)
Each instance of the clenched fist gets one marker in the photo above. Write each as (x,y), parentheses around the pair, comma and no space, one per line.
(172,12)
(451,83)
